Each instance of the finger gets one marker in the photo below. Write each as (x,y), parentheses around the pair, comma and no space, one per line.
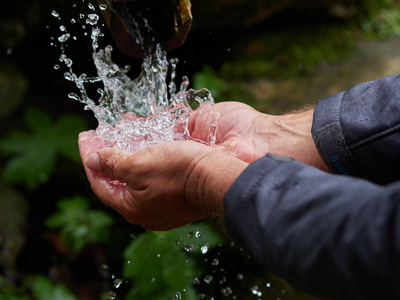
(118,165)
(202,120)
(89,141)
(108,192)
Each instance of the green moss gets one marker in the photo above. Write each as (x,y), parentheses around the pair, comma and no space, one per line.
(291,52)
(295,50)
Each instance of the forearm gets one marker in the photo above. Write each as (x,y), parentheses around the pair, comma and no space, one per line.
(331,235)
(289,135)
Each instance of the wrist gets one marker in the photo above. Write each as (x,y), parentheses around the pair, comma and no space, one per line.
(209,181)
(290,136)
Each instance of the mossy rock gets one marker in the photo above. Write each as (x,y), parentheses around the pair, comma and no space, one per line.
(238,13)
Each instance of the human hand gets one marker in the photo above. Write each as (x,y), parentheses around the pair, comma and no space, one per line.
(163,186)
(249,134)
(240,132)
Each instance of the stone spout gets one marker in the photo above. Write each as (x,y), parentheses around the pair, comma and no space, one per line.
(138,26)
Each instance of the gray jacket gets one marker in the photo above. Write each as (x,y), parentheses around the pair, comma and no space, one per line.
(338,235)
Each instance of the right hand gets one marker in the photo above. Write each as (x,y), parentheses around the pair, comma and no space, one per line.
(249,134)
(240,133)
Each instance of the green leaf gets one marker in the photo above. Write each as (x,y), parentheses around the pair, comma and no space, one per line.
(14,143)
(207,78)
(79,225)
(37,120)
(44,289)
(161,262)
(33,167)
(34,154)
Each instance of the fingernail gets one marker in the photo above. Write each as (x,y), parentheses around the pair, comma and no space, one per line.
(92,162)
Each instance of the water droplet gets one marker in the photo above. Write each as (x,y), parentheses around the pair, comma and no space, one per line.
(92,19)
(226,291)
(117,283)
(268,285)
(74,5)
(188,248)
(177,296)
(255,291)
(176,242)
(239,276)
(91,7)
(69,77)
(198,234)
(196,281)
(81,16)
(62,28)
(103,6)
(204,249)
(185,83)
(153,280)
(190,234)
(55,14)
(73,21)
(132,236)
(56,67)
(215,262)
(158,255)
(208,278)
(104,267)
(112,295)
(64,37)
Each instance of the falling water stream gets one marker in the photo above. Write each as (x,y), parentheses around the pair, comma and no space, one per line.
(135,113)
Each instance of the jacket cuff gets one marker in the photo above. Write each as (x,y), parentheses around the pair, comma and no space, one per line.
(329,138)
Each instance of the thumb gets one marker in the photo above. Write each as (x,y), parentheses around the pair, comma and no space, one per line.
(110,163)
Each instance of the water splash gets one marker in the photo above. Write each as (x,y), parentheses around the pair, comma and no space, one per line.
(135,113)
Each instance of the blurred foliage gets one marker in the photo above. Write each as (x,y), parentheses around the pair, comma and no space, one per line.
(385,24)
(285,53)
(282,52)
(79,225)
(13,87)
(163,264)
(44,289)
(35,287)
(34,152)
(219,86)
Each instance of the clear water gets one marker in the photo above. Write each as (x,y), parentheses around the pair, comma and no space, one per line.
(135,113)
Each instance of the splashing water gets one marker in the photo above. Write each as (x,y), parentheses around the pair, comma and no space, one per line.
(136,113)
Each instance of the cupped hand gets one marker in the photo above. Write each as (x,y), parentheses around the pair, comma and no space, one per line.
(242,130)
(249,134)
(163,186)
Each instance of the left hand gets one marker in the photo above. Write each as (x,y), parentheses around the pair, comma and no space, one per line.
(163,186)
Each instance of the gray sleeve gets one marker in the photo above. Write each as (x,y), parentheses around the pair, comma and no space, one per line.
(357,132)
(330,235)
